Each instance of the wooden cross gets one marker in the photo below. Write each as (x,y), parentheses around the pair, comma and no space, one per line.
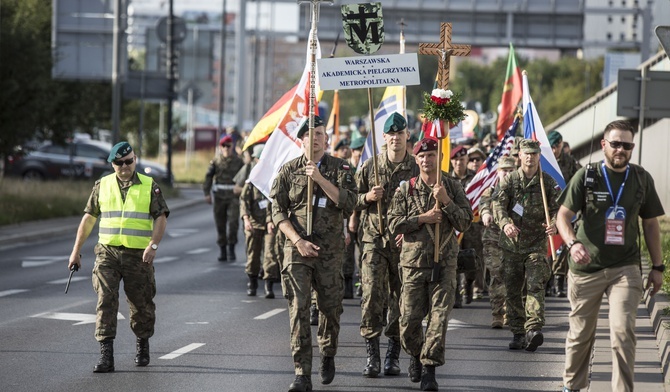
(444,50)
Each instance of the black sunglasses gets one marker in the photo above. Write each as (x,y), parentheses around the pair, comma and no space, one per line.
(226,145)
(625,145)
(121,162)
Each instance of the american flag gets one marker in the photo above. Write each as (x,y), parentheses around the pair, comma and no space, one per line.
(486,176)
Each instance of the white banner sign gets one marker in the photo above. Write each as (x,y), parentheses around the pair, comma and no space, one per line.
(369,71)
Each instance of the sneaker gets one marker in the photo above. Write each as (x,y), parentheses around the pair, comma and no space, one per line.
(534,340)
(518,342)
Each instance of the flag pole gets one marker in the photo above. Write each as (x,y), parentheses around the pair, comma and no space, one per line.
(375,164)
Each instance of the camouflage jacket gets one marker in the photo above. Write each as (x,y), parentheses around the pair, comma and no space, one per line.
(519,201)
(474,233)
(289,194)
(389,178)
(491,233)
(254,204)
(568,165)
(220,176)
(412,199)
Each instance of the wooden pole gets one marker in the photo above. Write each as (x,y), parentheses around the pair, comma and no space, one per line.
(547,218)
(375,164)
(312,97)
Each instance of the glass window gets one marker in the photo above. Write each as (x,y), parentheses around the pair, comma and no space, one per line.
(55,149)
(88,151)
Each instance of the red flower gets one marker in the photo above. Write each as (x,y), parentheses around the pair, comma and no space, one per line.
(438,100)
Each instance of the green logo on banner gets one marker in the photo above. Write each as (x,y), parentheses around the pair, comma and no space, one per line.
(363,27)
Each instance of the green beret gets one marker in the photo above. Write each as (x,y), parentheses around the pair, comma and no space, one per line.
(344,142)
(506,163)
(529,146)
(318,122)
(357,143)
(395,123)
(554,138)
(120,150)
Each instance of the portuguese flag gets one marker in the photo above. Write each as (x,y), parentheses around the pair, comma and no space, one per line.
(512,93)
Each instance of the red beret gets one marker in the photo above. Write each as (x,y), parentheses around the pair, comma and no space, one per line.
(458,152)
(226,139)
(426,144)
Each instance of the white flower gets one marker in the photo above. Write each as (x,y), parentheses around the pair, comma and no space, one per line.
(440,93)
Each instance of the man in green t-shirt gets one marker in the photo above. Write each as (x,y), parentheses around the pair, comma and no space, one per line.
(605,256)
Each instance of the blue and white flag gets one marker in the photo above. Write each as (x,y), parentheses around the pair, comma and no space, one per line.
(533,129)
(393,100)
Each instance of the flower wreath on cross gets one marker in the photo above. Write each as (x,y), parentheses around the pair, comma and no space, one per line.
(439,107)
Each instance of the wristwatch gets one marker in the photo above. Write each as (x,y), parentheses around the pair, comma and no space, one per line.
(571,243)
(154,246)
(659,268)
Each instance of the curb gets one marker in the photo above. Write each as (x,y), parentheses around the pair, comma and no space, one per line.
(660,320)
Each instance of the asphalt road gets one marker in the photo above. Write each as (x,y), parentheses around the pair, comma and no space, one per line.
(211,337)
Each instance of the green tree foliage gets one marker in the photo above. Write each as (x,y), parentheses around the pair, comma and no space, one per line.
(35,106)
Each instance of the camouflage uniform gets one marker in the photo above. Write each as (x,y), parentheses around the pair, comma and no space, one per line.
(113,263)
(219,178)
(420,295)
(569,166)
(349,265)
(255,205)
(472,239)
(524,256)
(493,258)
(379,265)
(323,273)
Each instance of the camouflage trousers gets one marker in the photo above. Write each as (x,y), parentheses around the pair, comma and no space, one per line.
(472,239)
(493,261)
(300,275)
(227,219)
(259,246)
(381,290)
(420,298)
(111,265)
(533,266)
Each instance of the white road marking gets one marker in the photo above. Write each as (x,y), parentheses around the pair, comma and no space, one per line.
(165,259)
(11,292)
(39,261)
(82,318)
(197,322)
(197,251)
(182,351)
(269,314)
(74,279)
(175,233)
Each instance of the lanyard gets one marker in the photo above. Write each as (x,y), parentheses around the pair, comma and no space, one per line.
(609,187)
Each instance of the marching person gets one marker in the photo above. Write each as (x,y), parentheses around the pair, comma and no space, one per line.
(519,213)
(605,255)
(427,289)
(492,251)
(133,216)
(219,180)
(381,255)
(313,261)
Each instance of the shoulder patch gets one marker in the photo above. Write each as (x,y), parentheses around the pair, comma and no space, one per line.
(157,191)
(346,167)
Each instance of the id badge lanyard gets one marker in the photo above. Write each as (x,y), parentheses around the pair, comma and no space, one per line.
(615,217)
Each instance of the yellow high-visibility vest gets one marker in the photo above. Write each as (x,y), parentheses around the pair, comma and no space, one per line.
(125,223)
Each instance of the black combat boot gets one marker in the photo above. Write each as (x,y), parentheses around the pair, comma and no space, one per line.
(301,384)
(559,286)
(327,370)
(231,252)
(269,293)
(548,288)
(391,363)
(252,285)
(142,352)
(518,342)
(414,370)
(468,291)
(106,362)
(428,382)
(222,255)
(534,339)
(313,315)
(374,362)
(348,288)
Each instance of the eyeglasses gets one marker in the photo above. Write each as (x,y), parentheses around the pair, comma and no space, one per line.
(625,145)
(476,159)
(121,162)
(226,145)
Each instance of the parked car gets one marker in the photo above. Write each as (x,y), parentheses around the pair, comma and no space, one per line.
(79,159)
